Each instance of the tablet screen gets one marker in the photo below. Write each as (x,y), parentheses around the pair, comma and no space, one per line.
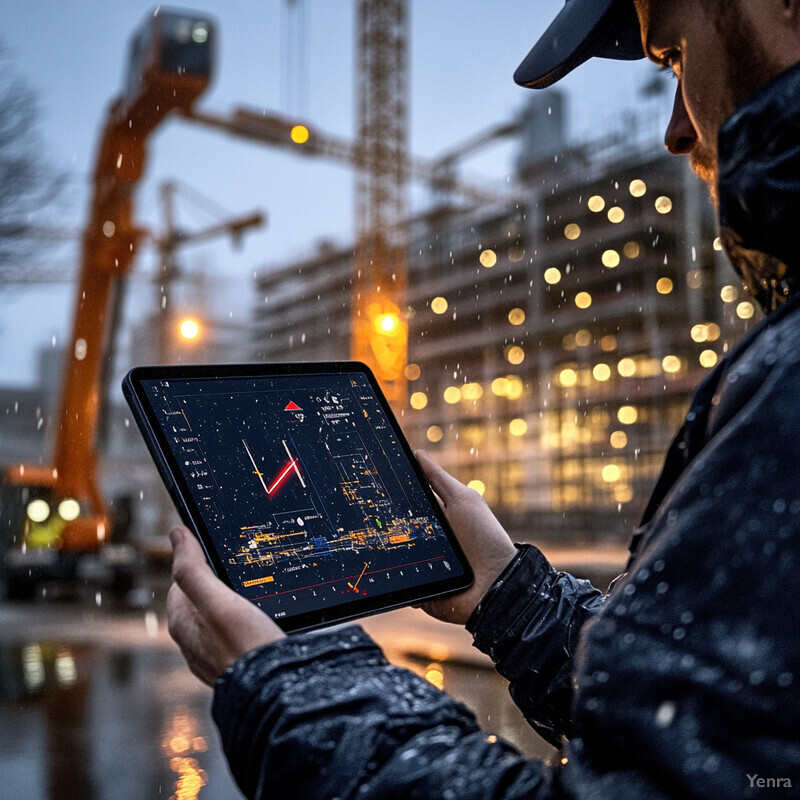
(301,488)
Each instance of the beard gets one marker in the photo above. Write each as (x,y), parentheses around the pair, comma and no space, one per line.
(704,164)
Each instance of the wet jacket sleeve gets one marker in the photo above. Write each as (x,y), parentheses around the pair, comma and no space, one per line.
(326,716)
(529,623)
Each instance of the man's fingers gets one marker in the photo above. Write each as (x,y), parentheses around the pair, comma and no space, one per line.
(443,483)
(189,568)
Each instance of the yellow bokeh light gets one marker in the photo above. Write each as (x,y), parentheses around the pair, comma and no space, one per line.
(611,473)
(418,400)
(552,275)
(632,249)
(478,486)
(500,387)
(412,371)
(718,244)
(671,364)
(745,310)
(434,434)
(516,316)
(627,415)
(664,285)
(517,427)
(663,205)
(572,231)
(435,676)
(388,323)
(626,367)
(611,259)
(608,343)
(708,359)
(616,215)
(583,299)
(601,372)
(623,493)
(618,439)
(596,203)
(472,391)
(583,338)
(488,258)
(299,134)
(438,305)
(189,329)
(637,188)
(452,394)
(729,294)
(567,377)
(515,355)
(515,387)
(705,332)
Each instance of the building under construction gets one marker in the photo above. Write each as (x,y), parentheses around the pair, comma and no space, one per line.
(554,337)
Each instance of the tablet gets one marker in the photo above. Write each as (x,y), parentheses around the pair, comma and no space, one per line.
(300,485)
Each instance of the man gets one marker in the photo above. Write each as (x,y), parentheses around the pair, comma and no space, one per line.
(682,682)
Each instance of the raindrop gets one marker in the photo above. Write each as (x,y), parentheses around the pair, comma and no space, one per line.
(665,714)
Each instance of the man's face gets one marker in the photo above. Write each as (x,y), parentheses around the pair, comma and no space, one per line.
(719,56)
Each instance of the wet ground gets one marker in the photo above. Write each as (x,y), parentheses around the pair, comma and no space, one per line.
(98,704)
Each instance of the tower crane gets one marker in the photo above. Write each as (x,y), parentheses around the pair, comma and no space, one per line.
(379,329)
(383,166)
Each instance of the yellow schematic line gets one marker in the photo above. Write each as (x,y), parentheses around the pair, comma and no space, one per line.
(258,581)
(355,588)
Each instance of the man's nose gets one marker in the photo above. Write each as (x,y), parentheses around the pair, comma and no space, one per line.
(681,137)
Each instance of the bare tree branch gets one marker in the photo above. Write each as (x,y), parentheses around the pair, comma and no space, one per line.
(29,184)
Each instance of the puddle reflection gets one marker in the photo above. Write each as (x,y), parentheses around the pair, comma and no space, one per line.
(84,722)
(486,695)
(96,705)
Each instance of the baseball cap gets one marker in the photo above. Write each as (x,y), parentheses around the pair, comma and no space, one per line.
(582,30)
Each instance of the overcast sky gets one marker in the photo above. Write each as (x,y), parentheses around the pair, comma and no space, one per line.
(462,56)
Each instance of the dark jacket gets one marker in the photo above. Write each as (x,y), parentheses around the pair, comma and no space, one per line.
(682,682)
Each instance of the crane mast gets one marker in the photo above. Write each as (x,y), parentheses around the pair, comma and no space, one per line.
(379,330)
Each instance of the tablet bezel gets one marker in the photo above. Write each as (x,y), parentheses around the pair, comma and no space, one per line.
(170,472)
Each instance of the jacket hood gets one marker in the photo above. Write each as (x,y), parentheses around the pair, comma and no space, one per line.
(759,190)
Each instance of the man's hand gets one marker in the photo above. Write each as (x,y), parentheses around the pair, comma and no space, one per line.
(486,545)
(212,625)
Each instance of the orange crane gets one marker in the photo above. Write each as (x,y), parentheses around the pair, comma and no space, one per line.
(171,59)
